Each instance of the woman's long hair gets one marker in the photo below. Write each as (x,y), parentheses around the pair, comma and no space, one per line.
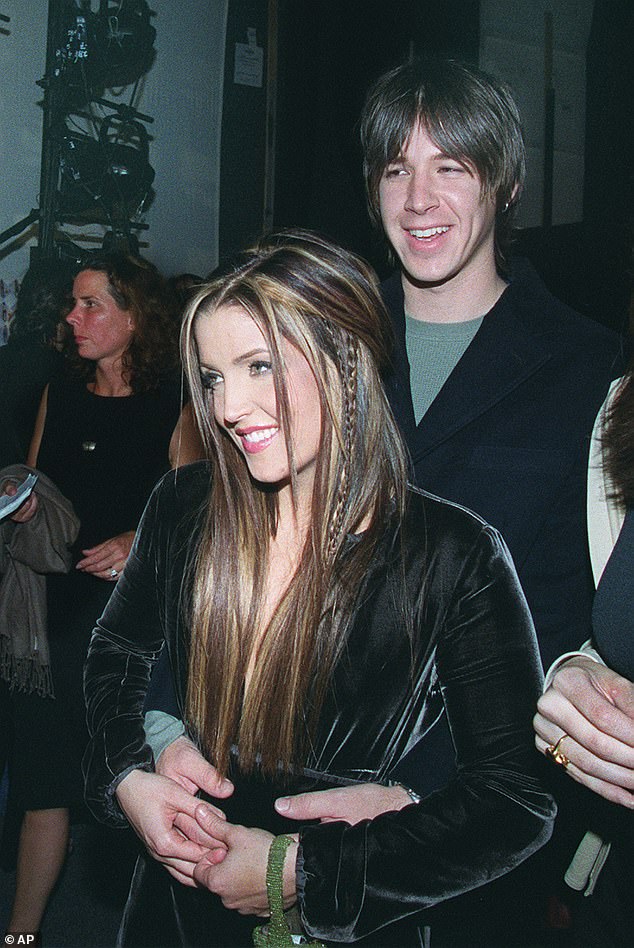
(325,302)
(618,442)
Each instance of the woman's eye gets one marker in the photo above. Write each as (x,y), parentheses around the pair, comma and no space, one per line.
(210,380)
(259,368)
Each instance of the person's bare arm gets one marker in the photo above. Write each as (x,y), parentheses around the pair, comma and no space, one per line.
(28,509)
(186,444)
(38,430)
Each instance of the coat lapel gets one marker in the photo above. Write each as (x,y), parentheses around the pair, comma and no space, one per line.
(503,354)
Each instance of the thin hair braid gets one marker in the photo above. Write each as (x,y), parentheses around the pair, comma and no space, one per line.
(348,365)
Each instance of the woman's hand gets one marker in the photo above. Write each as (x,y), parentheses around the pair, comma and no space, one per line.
(107,559)
(25,511)
(163,815)
(182,762)
(360,802)
(240,879)
(589,709)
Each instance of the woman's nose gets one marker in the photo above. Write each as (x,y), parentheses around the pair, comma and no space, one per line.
(235,401)
(72,317)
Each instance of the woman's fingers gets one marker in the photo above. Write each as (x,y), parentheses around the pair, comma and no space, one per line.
(610,779)
(106,560)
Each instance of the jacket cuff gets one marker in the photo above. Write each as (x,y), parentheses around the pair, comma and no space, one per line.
(586,651)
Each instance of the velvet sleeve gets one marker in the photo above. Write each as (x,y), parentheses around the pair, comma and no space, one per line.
(124,647)
(353,880)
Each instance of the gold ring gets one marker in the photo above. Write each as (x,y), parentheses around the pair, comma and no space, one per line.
(556,755)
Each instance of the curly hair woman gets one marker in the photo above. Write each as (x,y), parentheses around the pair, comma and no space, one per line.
(103,436)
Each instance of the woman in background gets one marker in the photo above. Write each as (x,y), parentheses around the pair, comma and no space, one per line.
(104,434)
(585,719)
(317,613)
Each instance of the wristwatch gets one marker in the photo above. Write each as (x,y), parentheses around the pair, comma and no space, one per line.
(414,797)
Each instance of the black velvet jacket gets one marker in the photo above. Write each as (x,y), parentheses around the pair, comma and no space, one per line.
(474,652)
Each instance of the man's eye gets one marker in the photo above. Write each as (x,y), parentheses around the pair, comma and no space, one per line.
(395,171)
(444,169)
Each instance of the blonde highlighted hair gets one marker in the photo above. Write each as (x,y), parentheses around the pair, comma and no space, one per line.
(324,301)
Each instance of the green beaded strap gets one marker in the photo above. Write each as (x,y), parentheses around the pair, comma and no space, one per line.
(277,934)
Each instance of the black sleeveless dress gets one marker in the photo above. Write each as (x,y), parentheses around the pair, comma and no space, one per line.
(105,455)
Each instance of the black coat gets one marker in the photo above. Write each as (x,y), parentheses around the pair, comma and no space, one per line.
(473,652)
(508,436)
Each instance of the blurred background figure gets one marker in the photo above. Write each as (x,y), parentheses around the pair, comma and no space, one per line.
(28,361)
(183,286)
(31,356)
(106,429)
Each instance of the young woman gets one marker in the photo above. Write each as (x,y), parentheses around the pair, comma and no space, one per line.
(318,615)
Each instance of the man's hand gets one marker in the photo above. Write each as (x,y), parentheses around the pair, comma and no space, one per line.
(240,879)
(352,804)
(182,762)
(592,709)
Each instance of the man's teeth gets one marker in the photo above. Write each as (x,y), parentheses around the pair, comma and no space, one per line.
(429,232)
(254,436)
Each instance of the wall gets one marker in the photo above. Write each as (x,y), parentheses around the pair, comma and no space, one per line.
(593,114)
(182,91)
(329,54)
(22,58)
(243,125)
(512,39)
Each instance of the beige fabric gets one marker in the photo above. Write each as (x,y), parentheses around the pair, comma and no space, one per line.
(605,517)
(29,551)
(587,863)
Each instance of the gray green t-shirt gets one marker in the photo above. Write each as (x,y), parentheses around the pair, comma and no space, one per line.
(433,351)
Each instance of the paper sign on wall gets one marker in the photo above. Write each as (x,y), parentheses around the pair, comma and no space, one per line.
(249,62)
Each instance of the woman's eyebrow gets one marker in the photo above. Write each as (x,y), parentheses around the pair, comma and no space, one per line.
(260,350)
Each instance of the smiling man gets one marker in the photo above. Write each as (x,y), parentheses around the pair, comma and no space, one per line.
(495,383)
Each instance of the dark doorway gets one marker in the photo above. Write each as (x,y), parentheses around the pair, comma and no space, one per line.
(329,54)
